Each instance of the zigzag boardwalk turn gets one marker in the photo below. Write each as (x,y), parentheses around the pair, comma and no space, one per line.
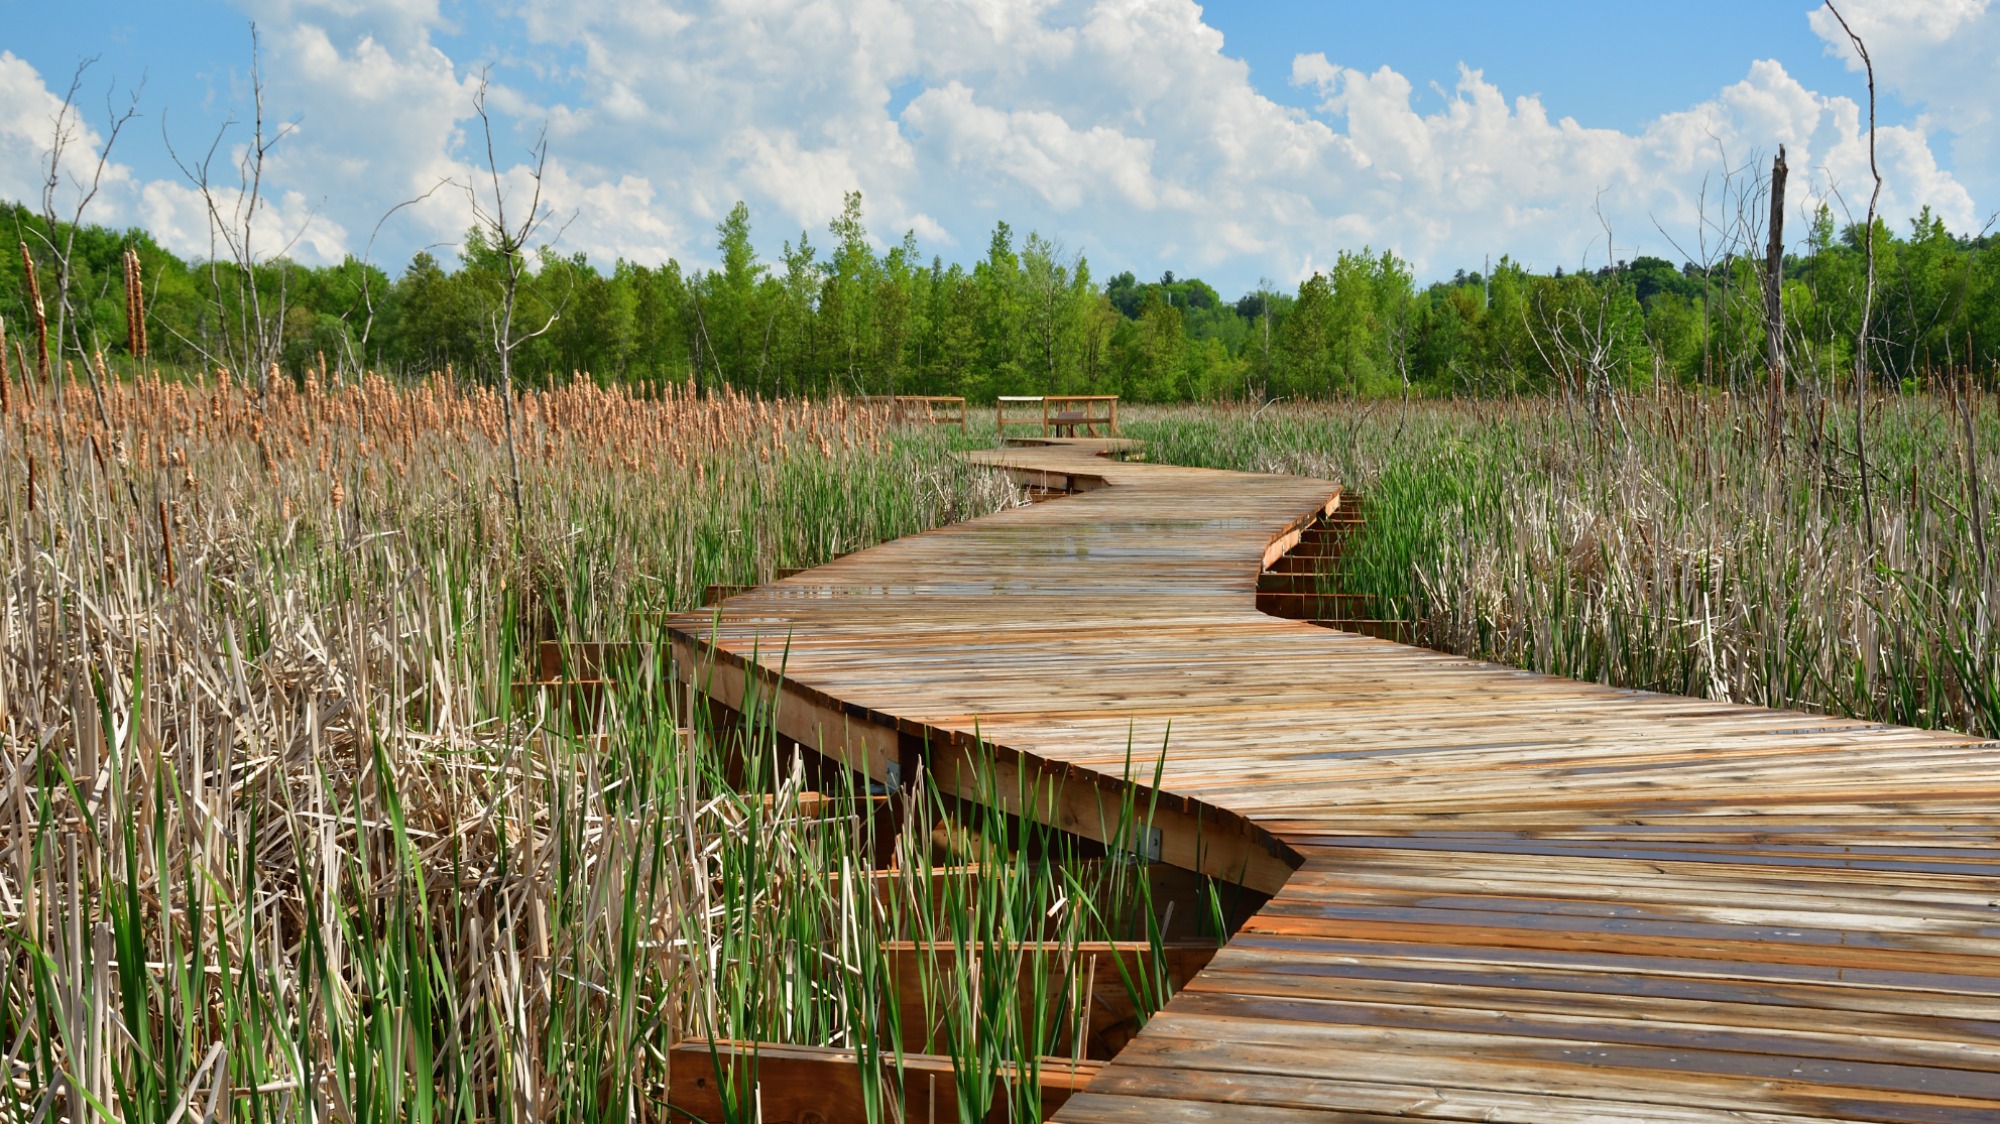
(1499,895)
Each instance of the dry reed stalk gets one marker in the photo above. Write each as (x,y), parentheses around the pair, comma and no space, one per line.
(167,542)
(27,386)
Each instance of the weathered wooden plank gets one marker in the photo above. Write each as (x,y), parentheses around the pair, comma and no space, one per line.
(1483,1068)
(1150,1094)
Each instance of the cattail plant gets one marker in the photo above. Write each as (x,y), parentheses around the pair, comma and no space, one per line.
(135,306)
(37,312)
(282,841)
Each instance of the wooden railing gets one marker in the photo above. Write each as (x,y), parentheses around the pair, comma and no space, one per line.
(920,409)
(1059,415)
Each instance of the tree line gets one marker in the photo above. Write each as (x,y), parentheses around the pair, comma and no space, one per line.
(836,315)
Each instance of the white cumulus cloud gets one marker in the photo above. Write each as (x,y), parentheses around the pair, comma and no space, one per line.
(1123,128)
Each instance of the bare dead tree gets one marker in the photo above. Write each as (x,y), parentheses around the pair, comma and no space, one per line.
(1702,258)
(1774,295)
(1723,233)
(252,334)
(1264,288)
(510,240)
(61,225)
(1728,242)
(1579,339)
(356,350)
(1861,340)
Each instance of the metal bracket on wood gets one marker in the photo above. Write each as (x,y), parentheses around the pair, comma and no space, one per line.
(1148,847)
(892,779)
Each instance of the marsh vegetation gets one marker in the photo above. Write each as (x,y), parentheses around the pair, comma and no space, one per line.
(282,833)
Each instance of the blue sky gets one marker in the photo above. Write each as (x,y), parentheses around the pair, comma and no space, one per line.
(1235,140)
(1609,65)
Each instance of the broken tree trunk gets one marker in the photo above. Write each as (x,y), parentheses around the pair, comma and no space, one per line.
(1774,295)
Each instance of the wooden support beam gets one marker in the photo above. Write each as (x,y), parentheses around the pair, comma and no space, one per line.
(910,892)
(1300,562)
(1064,482)
(589,743)
(1139,899)
(1312,606)
(1284,541)
(813,721)
(1085,987)
(584,659)
(719,592)
(821,805)
(823,1084)
(1191,836)
(1275,581)
(1397,631)
(579,700)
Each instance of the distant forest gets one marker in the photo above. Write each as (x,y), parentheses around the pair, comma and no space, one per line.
(839,317)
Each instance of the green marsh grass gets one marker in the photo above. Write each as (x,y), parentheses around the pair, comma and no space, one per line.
(1673,545)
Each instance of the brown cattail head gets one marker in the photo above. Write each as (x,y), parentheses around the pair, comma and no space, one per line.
(131,324)
(6,403)
(135,305)
(35,309)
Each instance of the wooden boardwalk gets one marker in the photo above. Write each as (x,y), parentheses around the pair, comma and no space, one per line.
(1499,895)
